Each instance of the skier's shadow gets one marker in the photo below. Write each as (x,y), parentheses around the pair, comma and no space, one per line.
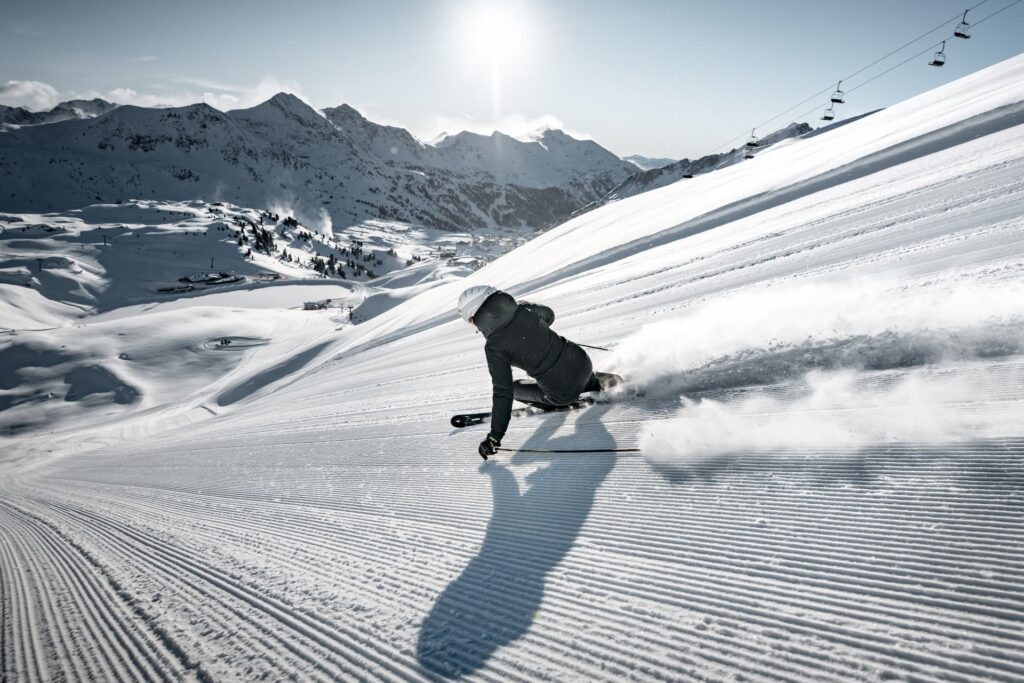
(494,600)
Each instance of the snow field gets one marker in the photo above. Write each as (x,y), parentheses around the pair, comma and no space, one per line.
(93,334)
(792,516)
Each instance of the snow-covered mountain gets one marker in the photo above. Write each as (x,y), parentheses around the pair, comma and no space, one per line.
(334,164)
(71,109)
(666,174)
(647,163)
(822,480)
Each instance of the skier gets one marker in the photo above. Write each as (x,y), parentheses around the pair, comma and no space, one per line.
(519,334)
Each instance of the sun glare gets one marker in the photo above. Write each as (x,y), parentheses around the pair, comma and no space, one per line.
(495,32)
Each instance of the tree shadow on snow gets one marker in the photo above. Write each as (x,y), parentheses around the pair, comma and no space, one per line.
(494,601)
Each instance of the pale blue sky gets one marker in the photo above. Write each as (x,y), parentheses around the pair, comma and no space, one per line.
(658,78)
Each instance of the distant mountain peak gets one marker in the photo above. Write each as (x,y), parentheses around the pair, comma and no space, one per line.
(71,109)
(343,112)
(93,105)
(438,138)
(454,139)
(287,100)
(535,134)
(555,133)
(468,138)
(648,163)
(281,107)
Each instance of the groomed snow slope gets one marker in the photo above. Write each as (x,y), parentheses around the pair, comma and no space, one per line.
(832,341)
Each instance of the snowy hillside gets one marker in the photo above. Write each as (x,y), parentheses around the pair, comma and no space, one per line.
(828,487)
(67,271)
(657,175)
(107,256)
(333,166)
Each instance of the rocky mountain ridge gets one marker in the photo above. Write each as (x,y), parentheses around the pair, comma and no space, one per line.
(330,168)
(72,109)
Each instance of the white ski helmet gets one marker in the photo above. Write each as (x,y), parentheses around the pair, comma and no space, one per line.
(472,299)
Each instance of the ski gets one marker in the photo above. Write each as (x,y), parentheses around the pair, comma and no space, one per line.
(469,419)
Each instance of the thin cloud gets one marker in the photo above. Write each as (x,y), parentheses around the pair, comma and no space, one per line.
(144,58)
(32,95)
(208,84)
(130,96)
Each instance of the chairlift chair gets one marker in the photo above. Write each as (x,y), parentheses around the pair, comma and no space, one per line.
(752,142)
(837,96)
(829,114)
(961,30)
(940,57)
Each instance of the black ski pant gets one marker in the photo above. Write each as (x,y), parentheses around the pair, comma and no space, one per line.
(528,391)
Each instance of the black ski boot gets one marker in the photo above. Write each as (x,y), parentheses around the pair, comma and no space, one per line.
(602,382)
(607,380)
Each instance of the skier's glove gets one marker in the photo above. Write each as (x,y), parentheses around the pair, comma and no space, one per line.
(488,446)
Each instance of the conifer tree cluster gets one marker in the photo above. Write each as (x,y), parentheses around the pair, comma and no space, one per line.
(329,267)
(264,240)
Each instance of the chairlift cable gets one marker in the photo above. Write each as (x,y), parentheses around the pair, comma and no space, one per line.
(908,44)
(896,66)
(908,59)
(928,49)
(861,70)
(922,52)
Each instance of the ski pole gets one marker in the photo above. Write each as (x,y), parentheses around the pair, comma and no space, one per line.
(569,450)
(588,346)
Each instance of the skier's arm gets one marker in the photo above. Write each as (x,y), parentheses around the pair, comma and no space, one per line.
(500,367)
(541,311)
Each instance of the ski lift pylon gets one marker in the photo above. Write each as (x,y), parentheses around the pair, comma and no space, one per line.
(962,29)
(940,57)
(837,96)
(829,114)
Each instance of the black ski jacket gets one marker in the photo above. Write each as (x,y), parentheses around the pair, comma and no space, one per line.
(519,335)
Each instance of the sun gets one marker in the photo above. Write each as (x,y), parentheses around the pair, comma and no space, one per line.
(496,33)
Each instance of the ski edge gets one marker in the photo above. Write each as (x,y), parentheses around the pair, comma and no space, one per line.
(462,420)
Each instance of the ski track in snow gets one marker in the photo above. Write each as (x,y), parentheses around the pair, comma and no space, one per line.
(331,525)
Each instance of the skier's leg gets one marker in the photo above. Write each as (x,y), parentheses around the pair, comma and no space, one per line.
(531,393)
